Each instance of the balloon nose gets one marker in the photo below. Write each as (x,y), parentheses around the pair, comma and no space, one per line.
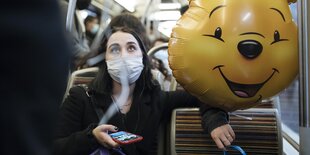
(250,48)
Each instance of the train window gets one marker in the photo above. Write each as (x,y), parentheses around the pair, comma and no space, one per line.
(289,105)
(289,111)
(166,27)
(293,8)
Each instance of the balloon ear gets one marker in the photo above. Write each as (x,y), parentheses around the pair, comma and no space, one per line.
(291,1)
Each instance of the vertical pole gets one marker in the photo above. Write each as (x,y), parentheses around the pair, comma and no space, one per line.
(303,26)
(70,15)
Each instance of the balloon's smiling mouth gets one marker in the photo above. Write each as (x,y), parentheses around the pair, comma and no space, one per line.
(244,90)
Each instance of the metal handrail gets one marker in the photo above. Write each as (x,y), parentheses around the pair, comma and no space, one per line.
(70,15)
(304,86)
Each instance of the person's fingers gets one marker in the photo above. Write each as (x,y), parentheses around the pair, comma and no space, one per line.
(102,136)
(106,140)
(215,134)
(218,143)
(227,134)
(225,141)
(231,132)
(106,127)
(223,136)
(109,141)
(229,137)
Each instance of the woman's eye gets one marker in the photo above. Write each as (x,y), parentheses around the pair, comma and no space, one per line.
(277,37)
(217,34)
(114,50)
(131,48)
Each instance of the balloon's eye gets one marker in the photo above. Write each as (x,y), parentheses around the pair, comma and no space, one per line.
(277,38)
(217,34)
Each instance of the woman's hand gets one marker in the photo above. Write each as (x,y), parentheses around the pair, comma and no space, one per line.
(102,136)
(223,136)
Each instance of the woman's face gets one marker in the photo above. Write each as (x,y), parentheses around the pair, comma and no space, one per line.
(122,44)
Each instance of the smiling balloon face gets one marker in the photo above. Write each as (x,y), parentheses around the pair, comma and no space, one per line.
(232,54)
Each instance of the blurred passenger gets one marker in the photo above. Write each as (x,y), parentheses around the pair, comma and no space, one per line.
(78,132)
(158,64)
(152,32)
(160,73)
(160,41)
(183,9)
(91,27)
(160,68)
(78,37)
(34,70)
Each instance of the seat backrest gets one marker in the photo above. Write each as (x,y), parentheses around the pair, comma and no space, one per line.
(83,76)
(259,136)
(160,53)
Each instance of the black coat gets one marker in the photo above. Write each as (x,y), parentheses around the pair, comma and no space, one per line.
(78,118)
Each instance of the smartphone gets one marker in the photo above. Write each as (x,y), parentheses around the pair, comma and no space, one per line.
(123,137)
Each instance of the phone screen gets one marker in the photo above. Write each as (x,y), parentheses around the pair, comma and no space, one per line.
(123,137)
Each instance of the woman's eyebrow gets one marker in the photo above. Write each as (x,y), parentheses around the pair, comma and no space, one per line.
(113,44)
(131,42)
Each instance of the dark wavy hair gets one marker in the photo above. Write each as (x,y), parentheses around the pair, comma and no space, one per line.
(132,22)
(103,82)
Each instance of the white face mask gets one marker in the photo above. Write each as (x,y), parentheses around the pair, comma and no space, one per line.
(94,29)
(133,65)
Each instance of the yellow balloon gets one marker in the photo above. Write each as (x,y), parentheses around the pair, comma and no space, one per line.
(234,53)
(291,1)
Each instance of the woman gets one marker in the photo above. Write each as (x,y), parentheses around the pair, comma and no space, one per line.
(122,20)
(146,107)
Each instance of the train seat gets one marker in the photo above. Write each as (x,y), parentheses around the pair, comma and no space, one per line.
(83,76)
(260,135)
